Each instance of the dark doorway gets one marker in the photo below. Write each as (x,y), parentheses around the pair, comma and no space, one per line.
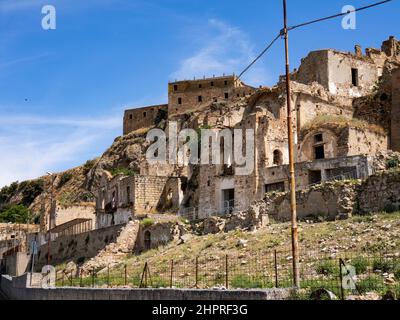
(147,240)
(314,176)
(278,158)
(354,77)
(319,152)
(229,200)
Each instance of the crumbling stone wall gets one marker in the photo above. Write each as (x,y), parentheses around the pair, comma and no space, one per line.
(78,247)
(360,167)
(65,214)
(146,117)
(184,96)
(333,70)
(158,234)
(339,199)
(328,201)
(380,193)
(395,113)
(342,139)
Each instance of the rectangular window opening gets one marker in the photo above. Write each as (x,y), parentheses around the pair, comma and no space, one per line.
(314,176)
(354,77)
(319,152)
(318,138)
(272,187)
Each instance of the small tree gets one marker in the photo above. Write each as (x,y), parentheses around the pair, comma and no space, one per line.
(16,214)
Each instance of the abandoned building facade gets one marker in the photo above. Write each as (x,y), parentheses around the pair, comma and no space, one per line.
(337,127)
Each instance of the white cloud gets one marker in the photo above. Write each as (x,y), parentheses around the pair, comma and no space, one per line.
(7,6)
(30,146)
(225,49)
(11,63)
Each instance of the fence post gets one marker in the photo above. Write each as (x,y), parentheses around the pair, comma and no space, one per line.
(93,278)
(276,269)
(108,276)
(197,273)
(126,275)
(62,279)
(71,278)
(226,272)
(172,273)
(81,280)
(341,279)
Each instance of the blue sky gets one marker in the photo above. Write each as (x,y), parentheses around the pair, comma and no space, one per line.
(63,91)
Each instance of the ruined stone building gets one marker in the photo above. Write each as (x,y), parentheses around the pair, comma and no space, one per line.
(346,110)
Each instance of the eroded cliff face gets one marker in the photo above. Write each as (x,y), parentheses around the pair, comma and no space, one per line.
(68,187)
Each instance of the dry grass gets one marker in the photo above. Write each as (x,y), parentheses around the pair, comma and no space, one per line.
(341,122)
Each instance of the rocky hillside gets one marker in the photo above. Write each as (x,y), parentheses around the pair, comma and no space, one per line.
(69,188)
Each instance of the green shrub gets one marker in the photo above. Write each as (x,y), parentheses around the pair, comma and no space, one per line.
(360,264)
(7,192)
(30,190)
(390,207)
(249,282)
(396,270)
(372,283)
(327,268)
(88,166)
(382,265)
(65,177)
(393,162)
(123,171)
(147,222)
(16,214)
(161,115)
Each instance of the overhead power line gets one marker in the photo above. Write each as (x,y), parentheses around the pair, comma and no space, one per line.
(338,15)
(260,55)
(306,24)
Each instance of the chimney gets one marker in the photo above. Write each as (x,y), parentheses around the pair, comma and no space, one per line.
(358,50)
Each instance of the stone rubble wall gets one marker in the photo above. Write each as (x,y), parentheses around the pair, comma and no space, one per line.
(78,247)
(341,199)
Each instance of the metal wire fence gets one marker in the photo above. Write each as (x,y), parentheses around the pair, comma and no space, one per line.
(341,273)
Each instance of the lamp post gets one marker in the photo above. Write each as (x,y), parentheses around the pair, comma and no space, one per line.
(53,177)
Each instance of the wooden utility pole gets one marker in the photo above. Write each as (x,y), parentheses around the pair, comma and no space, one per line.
(52,207)
(295,240)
